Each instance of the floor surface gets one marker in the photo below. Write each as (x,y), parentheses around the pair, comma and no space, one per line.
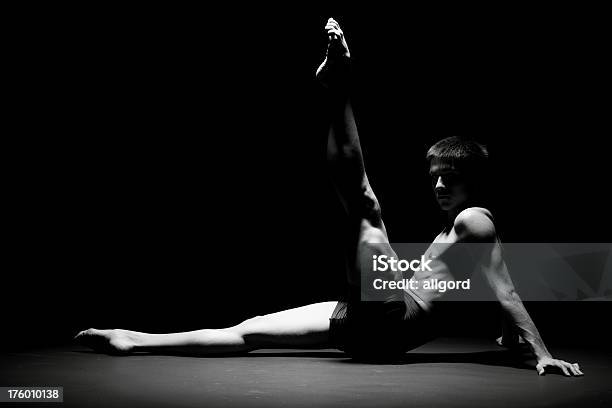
(444,373)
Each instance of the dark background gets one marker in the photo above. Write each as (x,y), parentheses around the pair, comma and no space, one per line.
(169,167)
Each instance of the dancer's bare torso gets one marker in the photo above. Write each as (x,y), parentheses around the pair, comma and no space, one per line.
(469,221)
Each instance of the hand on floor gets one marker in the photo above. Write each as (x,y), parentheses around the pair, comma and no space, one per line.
(552,364)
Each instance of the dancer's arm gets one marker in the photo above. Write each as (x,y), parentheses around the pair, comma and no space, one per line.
(473,226)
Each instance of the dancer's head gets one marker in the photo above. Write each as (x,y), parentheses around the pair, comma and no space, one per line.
(458,169)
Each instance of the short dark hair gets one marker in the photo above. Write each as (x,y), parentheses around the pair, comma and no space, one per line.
(464,154)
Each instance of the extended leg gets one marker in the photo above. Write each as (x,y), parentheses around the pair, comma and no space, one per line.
(345,160)
(303,327)
(344,155)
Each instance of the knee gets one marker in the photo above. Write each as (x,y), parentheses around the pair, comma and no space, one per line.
(249,331)
(372,235)
(369,207)
(254,319)
(249,324)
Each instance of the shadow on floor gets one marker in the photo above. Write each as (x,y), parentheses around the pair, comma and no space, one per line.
(504,358)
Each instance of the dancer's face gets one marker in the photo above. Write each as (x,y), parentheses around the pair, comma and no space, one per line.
(448,185)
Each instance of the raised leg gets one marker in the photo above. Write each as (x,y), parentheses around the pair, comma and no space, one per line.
(345,160)
(303,327)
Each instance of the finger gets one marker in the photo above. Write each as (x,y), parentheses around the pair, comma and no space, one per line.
(564,369)
(540,370)
(569,366)
(572,369)
(576,370)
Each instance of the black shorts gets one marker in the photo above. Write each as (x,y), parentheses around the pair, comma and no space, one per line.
(379,330)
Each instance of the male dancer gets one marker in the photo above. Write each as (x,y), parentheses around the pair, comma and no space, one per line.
(364,329)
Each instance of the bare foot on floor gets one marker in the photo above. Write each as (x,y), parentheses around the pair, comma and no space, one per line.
(114,341)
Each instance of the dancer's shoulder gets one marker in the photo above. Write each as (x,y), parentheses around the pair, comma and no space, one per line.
(475,224)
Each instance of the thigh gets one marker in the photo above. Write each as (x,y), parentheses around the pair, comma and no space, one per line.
(373,242)
(305,326)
